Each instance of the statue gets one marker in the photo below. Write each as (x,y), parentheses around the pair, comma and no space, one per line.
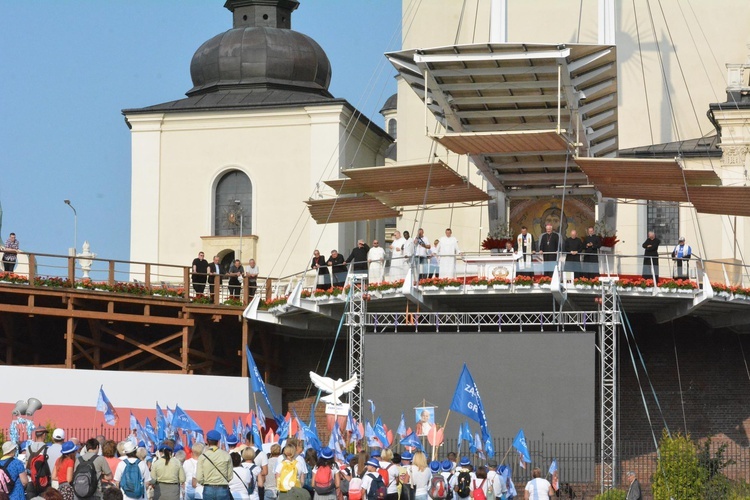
(335,388)
(85,259)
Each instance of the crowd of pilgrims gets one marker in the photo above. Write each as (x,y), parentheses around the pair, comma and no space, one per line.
(225,469)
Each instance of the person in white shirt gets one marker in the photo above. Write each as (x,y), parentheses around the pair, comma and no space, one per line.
(408,253)
(376,262)
(248,462)
(193,490)
(525,247)
(371,471)
(420,476)
(538,488)
(386,462)
(446,470)
(397,256)
(448,251)
(129,449)
(421,249)
(481,482)
(241,479)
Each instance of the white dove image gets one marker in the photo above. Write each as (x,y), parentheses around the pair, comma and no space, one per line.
(335,388)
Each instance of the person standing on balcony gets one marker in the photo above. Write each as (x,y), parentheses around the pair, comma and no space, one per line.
(651,257)
(448,251)
(422,246)
(680,254)
(573,248)
(251,273)
(10,253)
(376,262)
(236,271)
(215,270)
(200,270)
(591,245)
(336,262)
(323,279)
(549,244)
(359,257)
(525,247)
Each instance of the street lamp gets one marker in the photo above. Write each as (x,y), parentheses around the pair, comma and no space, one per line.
(75,228)
(239,205)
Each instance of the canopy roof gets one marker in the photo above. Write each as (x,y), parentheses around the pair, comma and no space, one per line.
(516,89)
(380,189)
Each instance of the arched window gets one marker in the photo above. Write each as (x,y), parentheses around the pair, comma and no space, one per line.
(233,205)
(392,128)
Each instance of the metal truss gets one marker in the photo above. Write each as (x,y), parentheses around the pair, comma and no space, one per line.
(356,325)
(481,321)
(608,385)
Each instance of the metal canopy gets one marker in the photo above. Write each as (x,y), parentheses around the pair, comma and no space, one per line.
(516,89)
(349,209)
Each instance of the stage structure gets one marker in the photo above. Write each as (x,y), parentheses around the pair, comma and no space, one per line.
(606,320)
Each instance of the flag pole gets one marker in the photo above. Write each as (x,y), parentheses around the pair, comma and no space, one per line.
(506,453)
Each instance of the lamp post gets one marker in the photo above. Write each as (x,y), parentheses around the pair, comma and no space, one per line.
(75,228)
(239,205)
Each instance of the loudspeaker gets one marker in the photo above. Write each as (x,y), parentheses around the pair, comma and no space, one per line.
(34,405)
(20,408)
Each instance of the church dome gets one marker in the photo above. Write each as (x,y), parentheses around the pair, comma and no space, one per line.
(260,51)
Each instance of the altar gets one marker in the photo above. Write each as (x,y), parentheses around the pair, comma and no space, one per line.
(500,265)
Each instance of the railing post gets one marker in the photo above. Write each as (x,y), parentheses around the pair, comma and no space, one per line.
(245,291)
(269,290)
(147,278)
(32,268)
(72,269)
(186,281)
(217,289)
(111,278)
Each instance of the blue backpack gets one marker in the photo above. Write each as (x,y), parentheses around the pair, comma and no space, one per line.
(131,481)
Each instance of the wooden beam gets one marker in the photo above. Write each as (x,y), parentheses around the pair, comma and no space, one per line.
(210,357)
(111,277)
(69,329)
(77,313)
(185,347)
(142,362)
(142,347)
(82,352)
(243,347)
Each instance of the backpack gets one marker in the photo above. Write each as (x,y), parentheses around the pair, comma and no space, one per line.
(449,494)
(41,476)
(403,475)
(6,482)
(462,485)
(355,488)
(377,490)
(479,493)
(288,477)
(308,478)
(131,481)
(343,483)
(438,489)
(323,482)
(250,486)
(85,480)
(384,474)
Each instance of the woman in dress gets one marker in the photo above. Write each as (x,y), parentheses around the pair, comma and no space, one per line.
(63,469)
(167,475)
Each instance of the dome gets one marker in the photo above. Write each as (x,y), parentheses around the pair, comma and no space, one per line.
(260,51)
(390,104)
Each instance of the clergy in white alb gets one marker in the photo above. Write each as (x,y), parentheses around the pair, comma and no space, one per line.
(525,248)
(397,256)
(448,252)
(376,262)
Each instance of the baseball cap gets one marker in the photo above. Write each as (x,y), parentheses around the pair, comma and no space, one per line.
(58,434)
(213,435)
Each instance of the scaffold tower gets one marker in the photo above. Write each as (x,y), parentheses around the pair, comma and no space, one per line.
(610,319)
(356,329)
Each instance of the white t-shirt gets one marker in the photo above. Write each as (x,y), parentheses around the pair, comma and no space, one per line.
(484,484)
(538,489)
(145,474)
(190,466)
(392,484)
(255,471)
(498,484)
(270,482)
(420,479)
(241,477)
(367,481)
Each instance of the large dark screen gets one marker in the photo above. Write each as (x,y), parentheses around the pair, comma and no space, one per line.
(544,383)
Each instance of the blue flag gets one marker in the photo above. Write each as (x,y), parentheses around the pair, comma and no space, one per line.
(148,428)
(257,384)
(464,434)
(466,400)
(519,443)
(412,441)
(489,447)
(104,405)
(401,431)
(372,407)
(261,417)
(369,432)
(283,430)
(181,420)
(257,439)
(380,433)
(351,426)
(219,426)
(161,424)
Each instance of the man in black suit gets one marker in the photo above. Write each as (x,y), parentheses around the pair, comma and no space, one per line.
(651,257)
(591,245)
(214,269)
(573,249)
(549,245)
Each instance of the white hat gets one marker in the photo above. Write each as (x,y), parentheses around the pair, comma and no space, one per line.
(8,447)
(58,434)
(128,447)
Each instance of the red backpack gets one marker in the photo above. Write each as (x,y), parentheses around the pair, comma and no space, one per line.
(323,482)
(384,474)
(479,490)
(41,476)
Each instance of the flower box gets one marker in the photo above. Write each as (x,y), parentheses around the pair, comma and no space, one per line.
(501,287)
(452,289)
(430,288)
(477,287)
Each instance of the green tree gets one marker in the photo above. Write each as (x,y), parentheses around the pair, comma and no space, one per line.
(611,495)
(678,472)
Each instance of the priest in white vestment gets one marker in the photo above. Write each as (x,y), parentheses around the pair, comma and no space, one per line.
(448,252)
(525,248)
(376,262)
(397,257)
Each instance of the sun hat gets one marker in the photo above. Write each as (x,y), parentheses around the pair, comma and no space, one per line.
(128,447)
(372,463)
(375,452)
(446,465)
(232,440)
(326,453)
(8,447)
(68,447)
(435,466)
(407,456)
(464,462)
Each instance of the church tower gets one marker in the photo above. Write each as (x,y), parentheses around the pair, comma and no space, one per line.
(226,169)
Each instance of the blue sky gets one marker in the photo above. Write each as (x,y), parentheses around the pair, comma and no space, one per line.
(69,68)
